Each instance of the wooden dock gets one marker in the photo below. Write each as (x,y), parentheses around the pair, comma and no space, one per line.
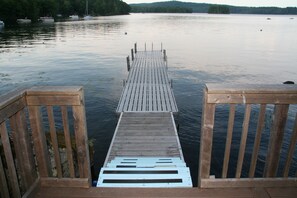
(145,150)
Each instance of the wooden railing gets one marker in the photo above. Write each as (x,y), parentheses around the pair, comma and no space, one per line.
(30,151)
(280,96)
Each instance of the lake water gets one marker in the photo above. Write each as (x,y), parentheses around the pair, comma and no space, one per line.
(201,48)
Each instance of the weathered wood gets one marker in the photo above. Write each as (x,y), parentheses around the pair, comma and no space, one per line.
(260,126)
(148,192)
(23,149)
(13,178)
(228,141)
(253,98)
(245,128)
(291,149)
(3,183)
(213,88)
(207,124)
(53,100)
(39,140)
(53,96)
(81,136)
(12,105)
(248,182)
(68,142)
(65,182)
(54,140)
(135,47)
(276,138)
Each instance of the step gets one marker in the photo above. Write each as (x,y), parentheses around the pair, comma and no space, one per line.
(145,177)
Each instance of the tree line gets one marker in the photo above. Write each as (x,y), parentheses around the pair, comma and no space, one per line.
(147,9)
(218,9)
(11,10)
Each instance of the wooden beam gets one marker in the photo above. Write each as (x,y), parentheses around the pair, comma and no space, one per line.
(23,149)
(276,139)
(228,140)
(208,114)
(248,182)
(11,107)
(65,182)
(13,178)
(81,137)
(3,183)
(39,141)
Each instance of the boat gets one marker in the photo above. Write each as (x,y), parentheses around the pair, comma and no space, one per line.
(46,20)
(23,21)
(1,24)
(74,17)
(87,16)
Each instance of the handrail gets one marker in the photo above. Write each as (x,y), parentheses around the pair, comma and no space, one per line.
(281,96)
(25,155)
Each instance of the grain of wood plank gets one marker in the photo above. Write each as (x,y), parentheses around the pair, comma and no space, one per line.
(54,140)
(3,183)
(245,128)
(68,143)
(13,178)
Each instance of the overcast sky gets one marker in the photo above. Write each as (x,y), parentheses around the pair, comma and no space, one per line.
(252,3)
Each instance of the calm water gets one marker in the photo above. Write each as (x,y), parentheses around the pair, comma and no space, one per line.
(201,48)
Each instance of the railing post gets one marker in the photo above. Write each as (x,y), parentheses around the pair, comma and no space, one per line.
(207,125)
(128,63)
(81,138)
(132,55)
(164,54)
(135,47)
(276,139)
(39,141)
(23,149)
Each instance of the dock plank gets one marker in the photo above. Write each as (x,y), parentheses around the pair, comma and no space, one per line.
(147,87)
(145,134)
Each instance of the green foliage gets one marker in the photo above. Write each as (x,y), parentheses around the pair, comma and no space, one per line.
(11,10)
(146,9)
(218,9)
(204,8)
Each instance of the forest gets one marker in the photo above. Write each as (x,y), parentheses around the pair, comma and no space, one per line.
(204,8)
(152,9)
(218,9)
(11,10)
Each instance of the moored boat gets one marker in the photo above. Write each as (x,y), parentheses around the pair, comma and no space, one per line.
(23,21)
(1,24)
(74,17)
(46,19)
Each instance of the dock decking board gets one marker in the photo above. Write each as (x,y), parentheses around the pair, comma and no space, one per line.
(145,134)
(148,87)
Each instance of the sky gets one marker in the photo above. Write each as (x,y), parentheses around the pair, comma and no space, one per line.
(251,3)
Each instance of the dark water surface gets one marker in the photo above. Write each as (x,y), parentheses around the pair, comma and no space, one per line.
(201,49)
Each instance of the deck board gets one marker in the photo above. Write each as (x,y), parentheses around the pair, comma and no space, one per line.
(147,87)
(139,134)
(165,192)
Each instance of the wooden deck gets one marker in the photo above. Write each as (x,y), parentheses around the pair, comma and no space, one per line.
(148,88)
(143,134)
(167,192)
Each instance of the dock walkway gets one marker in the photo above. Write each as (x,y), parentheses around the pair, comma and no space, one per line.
(148,87)
(145,150)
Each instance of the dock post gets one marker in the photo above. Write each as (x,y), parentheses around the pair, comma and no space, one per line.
(144,46)
(161,47)
(165,57)
(135,47)
(128,63)
(132,55)
(171,83)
